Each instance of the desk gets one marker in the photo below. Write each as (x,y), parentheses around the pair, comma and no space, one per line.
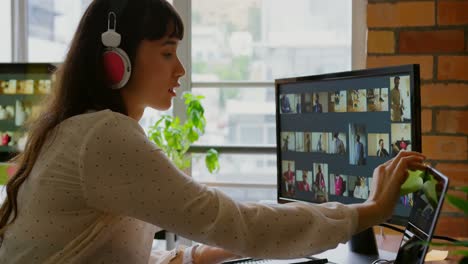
(388,246)
(342,255)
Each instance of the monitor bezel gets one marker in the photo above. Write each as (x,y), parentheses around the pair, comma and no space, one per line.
(411,69)
(38,67)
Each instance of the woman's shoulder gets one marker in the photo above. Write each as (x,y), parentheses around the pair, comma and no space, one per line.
(106,120)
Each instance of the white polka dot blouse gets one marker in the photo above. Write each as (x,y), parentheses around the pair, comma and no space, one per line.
(100,189)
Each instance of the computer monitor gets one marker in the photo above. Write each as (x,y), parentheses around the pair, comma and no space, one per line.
(22,87)
(333,130)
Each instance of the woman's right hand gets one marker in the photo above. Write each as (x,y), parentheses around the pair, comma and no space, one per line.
(389,177)
(385,189)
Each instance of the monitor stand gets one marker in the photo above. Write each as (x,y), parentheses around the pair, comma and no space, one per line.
(364,243)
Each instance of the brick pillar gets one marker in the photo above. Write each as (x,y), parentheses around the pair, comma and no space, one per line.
(433,34)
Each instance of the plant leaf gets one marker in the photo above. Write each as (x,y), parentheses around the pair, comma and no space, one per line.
(460,252)
(460,188)
(450,244)
(193,135)
(459,203)
(212,160)
(175,138)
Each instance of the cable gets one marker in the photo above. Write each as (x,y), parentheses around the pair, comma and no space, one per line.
(378,261)
(445,238)
(393,228)
(433,237)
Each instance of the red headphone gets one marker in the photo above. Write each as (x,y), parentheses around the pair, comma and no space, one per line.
(117,65)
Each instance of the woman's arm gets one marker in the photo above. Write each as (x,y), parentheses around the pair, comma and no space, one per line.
(123,173)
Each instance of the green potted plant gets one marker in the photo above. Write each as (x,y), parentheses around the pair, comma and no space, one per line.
(175,138)
(461,204)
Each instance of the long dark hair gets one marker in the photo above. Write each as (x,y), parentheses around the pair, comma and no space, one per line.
(80,82)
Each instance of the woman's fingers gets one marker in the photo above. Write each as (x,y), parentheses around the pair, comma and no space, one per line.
(405,163)
(401,155)
(417,166)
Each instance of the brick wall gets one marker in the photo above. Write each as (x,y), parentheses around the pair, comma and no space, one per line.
(433,34)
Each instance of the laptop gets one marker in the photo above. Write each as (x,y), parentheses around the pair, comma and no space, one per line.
(423,218)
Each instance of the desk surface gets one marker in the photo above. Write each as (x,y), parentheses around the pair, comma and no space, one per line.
(342,255)
(388,246)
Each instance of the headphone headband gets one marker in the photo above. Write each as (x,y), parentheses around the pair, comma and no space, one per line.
(117,6)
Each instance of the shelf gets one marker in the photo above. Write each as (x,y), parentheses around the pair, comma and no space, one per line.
(9,125)
(10,99)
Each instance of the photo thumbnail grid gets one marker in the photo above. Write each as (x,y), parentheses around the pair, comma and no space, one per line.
(318,182)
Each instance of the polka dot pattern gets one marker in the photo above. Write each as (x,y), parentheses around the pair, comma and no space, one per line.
(101,189)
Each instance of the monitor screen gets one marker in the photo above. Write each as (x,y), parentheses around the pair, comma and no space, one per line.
(333,130)
(22,87)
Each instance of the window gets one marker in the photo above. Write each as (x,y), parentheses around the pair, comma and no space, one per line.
(52,24)
(5,31)
(238,116)
(260,40)
(237,52)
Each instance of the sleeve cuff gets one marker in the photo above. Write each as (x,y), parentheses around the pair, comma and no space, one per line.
(188,254)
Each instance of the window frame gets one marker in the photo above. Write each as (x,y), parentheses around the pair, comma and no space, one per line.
(358,61)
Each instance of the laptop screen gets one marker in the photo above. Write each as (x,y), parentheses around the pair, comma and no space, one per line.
(427,204)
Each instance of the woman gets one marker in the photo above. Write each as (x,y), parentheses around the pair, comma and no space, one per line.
(91,188)
(320,189)
(361,190)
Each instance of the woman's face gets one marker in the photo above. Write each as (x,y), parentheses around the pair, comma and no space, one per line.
(156,73)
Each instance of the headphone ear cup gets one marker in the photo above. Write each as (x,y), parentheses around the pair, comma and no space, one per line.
(117,67)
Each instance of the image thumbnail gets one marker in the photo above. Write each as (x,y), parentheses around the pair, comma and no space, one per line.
(357,144)
(357,100)
(320,142)
(320,102)
(401,138)
(6,138)
(289,103)
(288,142)
(358,187)
(320,184)
(400,102)
(307,101)
(338,184)
(288,179)
(23,111)
(8,87)
(337,143)
(13,139)
(300,141)
(42,86)
(304,180)
(337,102)
(25,87)
(7,112)
(307,142)
(377,100)
(379,145)
(407,200)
